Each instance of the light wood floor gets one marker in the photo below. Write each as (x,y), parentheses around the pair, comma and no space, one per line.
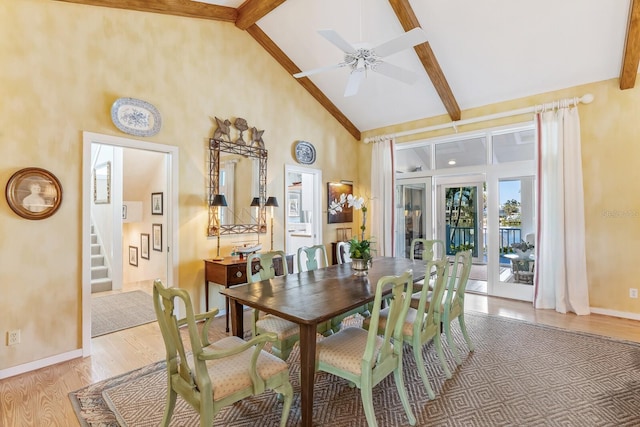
(40,398)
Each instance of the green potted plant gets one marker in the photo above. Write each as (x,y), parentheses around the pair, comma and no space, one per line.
(359,250)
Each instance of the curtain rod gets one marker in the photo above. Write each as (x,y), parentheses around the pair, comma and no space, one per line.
(562,103)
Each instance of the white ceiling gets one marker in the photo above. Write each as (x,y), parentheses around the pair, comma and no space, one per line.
(489,50)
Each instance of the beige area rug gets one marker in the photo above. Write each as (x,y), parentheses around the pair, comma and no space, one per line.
(520,374)
(116,312)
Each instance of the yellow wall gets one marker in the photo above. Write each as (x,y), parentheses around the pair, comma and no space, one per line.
(62,65)
(610,131)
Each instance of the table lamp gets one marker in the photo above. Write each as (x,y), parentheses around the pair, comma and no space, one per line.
(255,203)
(272,202)
(218,201)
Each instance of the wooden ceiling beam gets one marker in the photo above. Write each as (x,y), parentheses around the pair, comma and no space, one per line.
(186,8)
(631,48)
(252,11)
(291,68)
(409,21)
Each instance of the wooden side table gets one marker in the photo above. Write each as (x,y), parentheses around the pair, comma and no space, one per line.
(232,271)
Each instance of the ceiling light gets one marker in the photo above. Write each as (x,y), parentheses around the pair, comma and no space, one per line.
(452,162)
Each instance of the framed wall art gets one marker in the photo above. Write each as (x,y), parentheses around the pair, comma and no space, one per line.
(156,204)
(34,193)
(334,190)
(133,256)
(144,245)
(156,230)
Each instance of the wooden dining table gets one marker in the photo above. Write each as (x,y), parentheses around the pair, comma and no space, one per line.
(310,298)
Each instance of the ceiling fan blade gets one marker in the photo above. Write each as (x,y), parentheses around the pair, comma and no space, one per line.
(318,70)
(395,72)
(353,83)
(404,41)
(337,40)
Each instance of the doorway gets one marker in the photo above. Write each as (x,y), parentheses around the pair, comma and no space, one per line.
(113,214)
(303,208)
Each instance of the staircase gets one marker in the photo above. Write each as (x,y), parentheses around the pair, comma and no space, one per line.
(100,280)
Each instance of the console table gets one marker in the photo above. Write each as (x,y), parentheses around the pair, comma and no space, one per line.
(232,271)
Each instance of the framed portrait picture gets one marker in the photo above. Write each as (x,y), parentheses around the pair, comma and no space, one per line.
(133,256)
(334,190)
(156,231)
(144,245)
(156,204)
(34,193)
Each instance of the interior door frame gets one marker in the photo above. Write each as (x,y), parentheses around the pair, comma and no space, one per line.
(317,202)
(172,232)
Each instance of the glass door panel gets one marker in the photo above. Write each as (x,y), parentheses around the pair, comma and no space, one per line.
(413,213)
(516,225)
(464,218)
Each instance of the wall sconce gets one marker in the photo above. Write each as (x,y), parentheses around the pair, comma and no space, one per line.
(218,201)
(272,202)
(255,203)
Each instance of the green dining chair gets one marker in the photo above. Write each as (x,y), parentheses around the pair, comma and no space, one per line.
(365,358)
(260,267)
(453,305)
(213,375)
(426,249)
(312,257)
(422,323)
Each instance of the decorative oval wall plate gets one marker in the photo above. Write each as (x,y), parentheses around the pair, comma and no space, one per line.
(305,153)
(135,117)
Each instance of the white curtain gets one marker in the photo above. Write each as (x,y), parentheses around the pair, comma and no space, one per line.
(561,272)
(381,210)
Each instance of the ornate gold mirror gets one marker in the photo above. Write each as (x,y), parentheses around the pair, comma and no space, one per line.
(237,170)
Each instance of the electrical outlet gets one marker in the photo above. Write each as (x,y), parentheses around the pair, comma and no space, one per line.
(633,293)
(13,337)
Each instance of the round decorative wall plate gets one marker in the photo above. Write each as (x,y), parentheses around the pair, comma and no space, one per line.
(305,153)
(135,117)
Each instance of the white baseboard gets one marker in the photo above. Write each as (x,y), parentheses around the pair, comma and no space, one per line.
(615,313)
(37,364)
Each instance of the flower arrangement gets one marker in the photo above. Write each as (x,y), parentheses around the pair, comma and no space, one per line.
(359,249)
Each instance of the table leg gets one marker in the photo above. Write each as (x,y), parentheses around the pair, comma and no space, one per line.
(307,371)
(206,295)
(226,311)
(237,319)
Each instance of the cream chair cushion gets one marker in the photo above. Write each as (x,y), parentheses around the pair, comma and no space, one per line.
(283,328)
(230,374)
(345,349)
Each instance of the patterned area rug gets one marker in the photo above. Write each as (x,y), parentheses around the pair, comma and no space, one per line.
(520,374)
(116,312)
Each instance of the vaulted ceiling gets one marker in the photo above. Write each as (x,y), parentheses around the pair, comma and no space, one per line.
(478,52)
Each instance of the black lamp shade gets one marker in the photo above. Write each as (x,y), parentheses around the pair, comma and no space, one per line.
(272,201)
(218,200)
(255,202)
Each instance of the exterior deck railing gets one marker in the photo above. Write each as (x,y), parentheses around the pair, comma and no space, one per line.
(464,238)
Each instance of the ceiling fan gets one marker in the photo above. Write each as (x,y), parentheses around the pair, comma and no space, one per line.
(362,57)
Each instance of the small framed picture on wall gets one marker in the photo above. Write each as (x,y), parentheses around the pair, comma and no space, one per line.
(144,245)
(133,256)
(156,204)
(157,237)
